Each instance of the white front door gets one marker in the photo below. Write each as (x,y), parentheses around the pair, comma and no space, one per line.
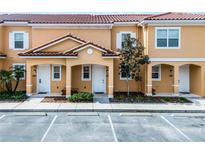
(99,79)
(184,78)
(43,79)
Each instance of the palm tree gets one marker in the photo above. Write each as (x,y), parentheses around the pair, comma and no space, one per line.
(18,72)
(6,79)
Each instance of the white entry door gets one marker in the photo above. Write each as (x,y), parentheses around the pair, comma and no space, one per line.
(43,79)
(184,78)
(99,79)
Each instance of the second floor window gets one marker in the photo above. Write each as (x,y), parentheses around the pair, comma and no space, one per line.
(121,36)
(18,40)
(167,38)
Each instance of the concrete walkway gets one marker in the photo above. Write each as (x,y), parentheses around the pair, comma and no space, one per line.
(34,104)
(100,107)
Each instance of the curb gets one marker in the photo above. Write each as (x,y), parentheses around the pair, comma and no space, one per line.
(102,110)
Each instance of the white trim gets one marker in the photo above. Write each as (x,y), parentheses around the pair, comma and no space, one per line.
(159,77)
(56,42)
(168,28)
(88,45)
(53,79)
(173,22)
(82,72)
(24,41)
(110,57)
(22,64)
(177,59)
(33,57)
(16,23)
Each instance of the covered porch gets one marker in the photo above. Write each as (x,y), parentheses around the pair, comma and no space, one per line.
(175,79)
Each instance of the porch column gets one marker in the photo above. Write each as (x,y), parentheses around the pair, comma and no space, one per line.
(149,80)
(176,80)
(28,80)
(68,79)
(110,81)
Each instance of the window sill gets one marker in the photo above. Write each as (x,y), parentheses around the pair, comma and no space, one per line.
(167,48)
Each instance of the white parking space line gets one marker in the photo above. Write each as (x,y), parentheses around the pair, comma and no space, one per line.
(112,128)
(1,117)
(177,129)
(45,134)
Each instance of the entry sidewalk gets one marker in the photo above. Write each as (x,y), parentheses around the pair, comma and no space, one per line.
(197,107)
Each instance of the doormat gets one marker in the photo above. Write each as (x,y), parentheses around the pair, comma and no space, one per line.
(42,93)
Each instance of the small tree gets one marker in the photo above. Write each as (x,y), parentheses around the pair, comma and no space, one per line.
(6,77)
(132,57)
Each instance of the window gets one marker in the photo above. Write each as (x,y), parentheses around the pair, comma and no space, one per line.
(56,72)
(167,37)
(124,36)
(86,72)
(156,72)
(18,40)
(22,66)
(123,75)
(121,36)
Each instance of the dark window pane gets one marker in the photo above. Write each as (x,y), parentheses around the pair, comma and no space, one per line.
(86,75)
(173,42)
(155,75)
(161,42)
(56,75)
(18,44)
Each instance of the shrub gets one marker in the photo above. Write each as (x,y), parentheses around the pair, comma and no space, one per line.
(81,97)
(183,100)
(15,96)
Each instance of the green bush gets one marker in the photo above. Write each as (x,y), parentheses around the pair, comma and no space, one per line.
(15,96)
(81,97)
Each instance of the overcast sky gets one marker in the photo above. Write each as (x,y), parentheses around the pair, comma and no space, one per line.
(89,6)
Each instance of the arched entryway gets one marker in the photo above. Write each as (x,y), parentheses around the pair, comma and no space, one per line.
(190,79)
(89,78)
(162,79)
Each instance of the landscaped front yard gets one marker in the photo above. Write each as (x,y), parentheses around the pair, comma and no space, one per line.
(118,98)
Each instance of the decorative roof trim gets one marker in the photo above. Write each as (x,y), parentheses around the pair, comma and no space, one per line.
(173,22)
(57,40)
(33,57)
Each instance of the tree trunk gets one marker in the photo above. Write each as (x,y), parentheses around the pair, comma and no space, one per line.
(17,83)
(128,88)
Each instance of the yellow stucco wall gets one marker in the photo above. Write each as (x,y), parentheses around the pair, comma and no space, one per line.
(166,83)
(192,40)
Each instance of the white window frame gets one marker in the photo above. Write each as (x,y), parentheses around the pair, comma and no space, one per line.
(120,40)
(22,64)
(122,78)
(59,72)
(167,28)
(24,41)
(159,77)
(82,73)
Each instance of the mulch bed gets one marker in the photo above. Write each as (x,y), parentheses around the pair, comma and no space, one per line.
(140,98)
(55,99)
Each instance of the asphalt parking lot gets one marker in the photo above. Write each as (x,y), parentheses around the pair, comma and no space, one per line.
(102,127)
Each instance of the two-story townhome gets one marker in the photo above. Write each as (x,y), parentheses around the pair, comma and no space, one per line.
(77,52)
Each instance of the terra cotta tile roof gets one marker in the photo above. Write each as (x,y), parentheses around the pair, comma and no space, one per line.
(177,16)
(73,18)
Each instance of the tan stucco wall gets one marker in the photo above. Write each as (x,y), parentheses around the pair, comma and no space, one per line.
(166,82)
(77,83)
(192,40)
(62,46)
(99,36)
(195,79)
